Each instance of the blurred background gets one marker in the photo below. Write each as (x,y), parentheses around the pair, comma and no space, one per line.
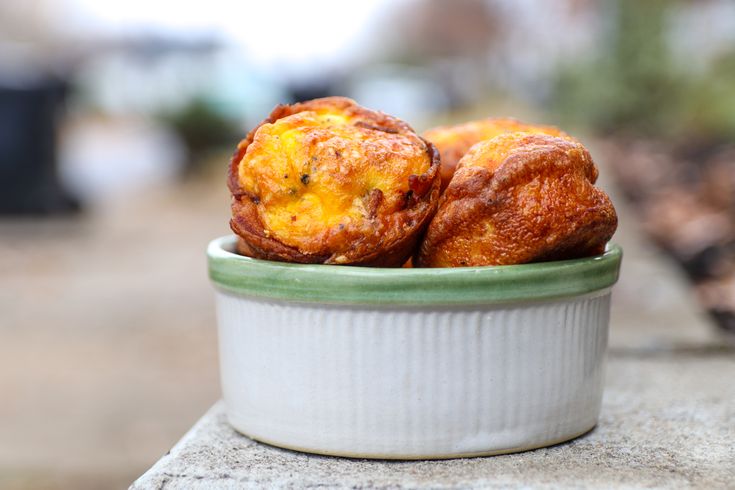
(117,120)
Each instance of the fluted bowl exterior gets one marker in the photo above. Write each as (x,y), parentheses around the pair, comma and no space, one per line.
(411,378)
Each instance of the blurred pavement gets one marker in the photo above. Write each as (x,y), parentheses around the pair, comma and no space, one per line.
(108,341)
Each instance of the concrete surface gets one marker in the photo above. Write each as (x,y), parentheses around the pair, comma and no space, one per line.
(651,434)
(668,415)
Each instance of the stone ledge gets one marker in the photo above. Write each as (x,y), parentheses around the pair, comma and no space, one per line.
(651,434)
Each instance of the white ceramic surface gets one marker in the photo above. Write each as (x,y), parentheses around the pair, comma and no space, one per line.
(410,382)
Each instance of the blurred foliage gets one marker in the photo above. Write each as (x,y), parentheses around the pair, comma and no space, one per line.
(672,152)
(636,86)
(202,128)
(708,105)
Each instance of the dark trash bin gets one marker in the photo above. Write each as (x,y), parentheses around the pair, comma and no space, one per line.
(29,117)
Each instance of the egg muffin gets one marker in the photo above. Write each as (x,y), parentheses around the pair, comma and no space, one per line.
(328,181)
(454,141)
(519,198)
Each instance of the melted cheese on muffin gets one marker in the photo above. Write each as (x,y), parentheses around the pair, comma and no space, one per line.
(316,173)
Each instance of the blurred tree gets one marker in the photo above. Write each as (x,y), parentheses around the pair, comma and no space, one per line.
(450,39)
(202,128)
(709,103)
(436,28)
(633,84)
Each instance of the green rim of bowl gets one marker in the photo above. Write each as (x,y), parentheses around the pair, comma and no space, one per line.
(339,284)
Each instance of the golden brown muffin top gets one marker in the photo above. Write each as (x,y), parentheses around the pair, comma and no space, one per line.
(455,140)
(519,198)
(327,172)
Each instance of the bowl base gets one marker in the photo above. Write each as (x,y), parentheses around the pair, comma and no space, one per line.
(411,457)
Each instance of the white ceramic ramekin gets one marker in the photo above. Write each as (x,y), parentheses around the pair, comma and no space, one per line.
(412,363)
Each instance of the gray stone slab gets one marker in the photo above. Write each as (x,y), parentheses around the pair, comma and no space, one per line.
(668,420)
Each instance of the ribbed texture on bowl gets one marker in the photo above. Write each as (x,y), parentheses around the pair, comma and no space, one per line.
(412,382)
